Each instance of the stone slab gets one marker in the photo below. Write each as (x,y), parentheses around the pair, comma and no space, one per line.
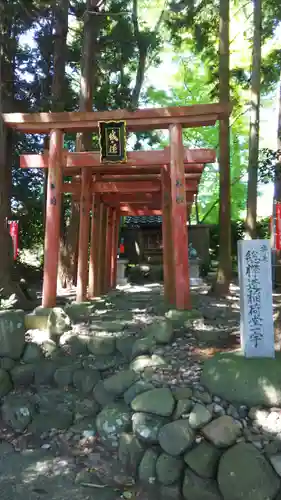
(240,380)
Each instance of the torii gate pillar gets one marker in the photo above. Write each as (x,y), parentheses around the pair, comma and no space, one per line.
(179,221)
(53,213)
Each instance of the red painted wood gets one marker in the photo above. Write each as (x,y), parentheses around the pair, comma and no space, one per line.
(113,255)
(83,242)
(145,159)
(168,262)
(109,244)
(98,250)
(93,245)
(131,188)
(116,243)
(141,119)
(103,250)
(178,214)
(138,198)
(52,226)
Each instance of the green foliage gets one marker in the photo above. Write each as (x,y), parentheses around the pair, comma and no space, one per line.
(192,27)
(269,166)
(237,233)
(192,86)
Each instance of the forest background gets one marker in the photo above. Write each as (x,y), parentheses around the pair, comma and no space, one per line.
(135,53)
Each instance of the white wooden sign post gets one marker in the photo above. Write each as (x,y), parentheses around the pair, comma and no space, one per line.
(256,311)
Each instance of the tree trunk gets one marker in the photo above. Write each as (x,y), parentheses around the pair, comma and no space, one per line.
(8,286)
(224,267)
(251,219)
(142,48)
(197,210)
(59,91)
(60,55)
(69,251)
(277,189)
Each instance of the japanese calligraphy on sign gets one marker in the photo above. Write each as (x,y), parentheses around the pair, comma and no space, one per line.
(254,260)
(112,136)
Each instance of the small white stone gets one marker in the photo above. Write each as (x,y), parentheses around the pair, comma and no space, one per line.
(46,446)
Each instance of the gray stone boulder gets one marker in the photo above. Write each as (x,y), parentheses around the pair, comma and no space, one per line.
(170,492)
(79,311)
(198,488)
(44,372)
(130,452)
(32,353)
(73,344)
(86,427)
(199,416)
(60,418)
(203,459)
(111,422)
(182,393)
(161,330)
(245,473)
(147,427)
(117,384)
(183,408)
(37,320)
(102,363)
(17,412)
(135,389)
(140,363)
(103,397)
(223,431)
(125,344)
(12,334)
(22,375)
(176,437)
(7,364)
(5,383)
(168,469)
(50,349)
(84,380)
(178,318)
(63,376)
(58,322)
(157,401)
(143,346)
(101,344)
(85,408)
(147,467)
(239,380)
(113,326)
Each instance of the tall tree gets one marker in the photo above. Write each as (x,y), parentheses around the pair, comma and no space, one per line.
(59,90)
(11,26)
(251,219)
(225,263)
(60,55)
(88,79)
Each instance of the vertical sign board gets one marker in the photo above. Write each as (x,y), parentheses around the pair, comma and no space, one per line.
(256,312)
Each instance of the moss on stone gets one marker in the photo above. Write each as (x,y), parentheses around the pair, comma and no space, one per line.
(255,381)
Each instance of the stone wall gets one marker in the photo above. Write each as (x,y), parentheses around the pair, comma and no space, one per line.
(184,441)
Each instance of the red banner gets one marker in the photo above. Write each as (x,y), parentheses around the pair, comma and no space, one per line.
(14,233)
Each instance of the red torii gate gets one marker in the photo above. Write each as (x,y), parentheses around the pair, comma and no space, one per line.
(149,182)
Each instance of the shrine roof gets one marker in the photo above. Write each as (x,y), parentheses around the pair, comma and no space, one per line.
(143,221)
